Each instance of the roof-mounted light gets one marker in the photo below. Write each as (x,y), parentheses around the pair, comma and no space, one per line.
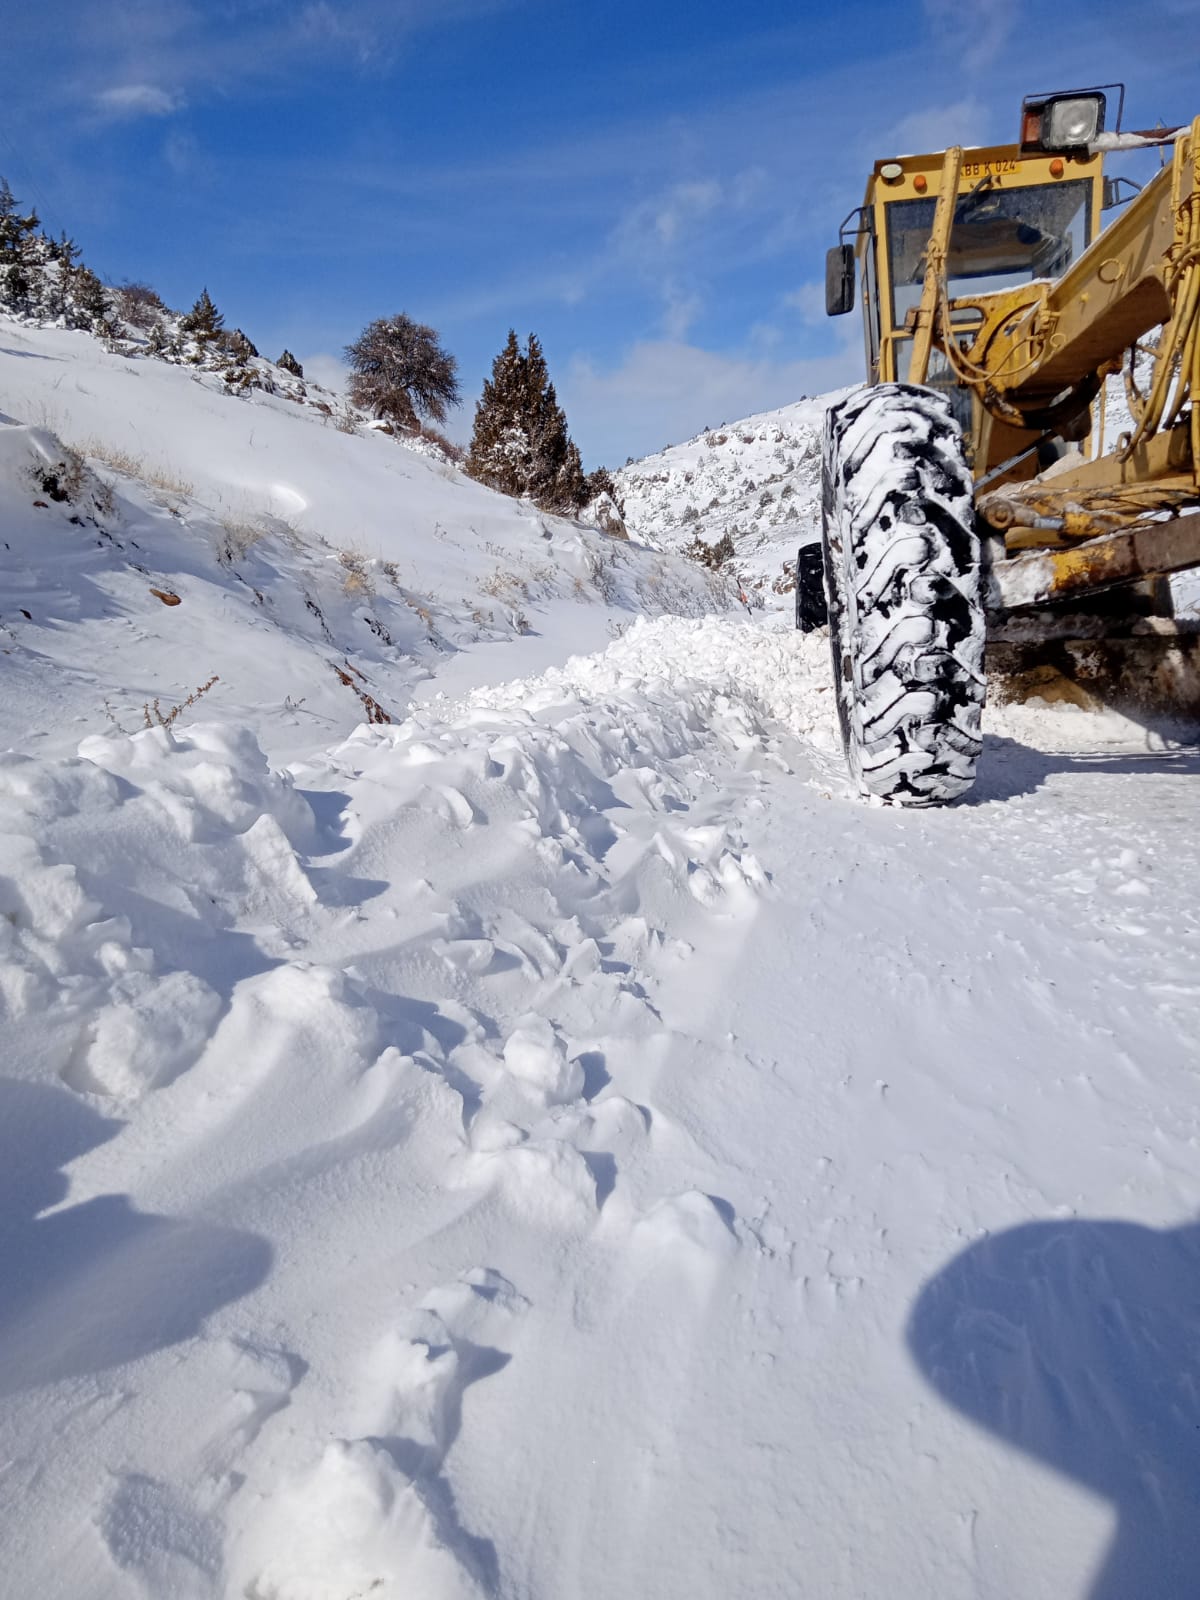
(1061,122)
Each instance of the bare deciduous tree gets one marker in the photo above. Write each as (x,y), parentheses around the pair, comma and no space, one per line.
(399,370)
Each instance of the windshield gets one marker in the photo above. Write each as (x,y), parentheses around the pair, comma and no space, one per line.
(1000,238)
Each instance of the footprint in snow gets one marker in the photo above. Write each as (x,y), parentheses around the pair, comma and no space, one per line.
(374,1513)
(261,1378)
(691,1235)
(546,1181)
(352,1524)
(154,1533)
(413,1381)
(536,1055)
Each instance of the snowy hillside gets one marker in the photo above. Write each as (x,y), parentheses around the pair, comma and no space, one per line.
(758,480)
(315,568)
(558,1143)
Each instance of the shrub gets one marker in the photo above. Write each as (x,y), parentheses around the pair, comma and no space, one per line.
(155,716)
(453,452)
(138,304)
(602,482)
(712,556)
(235,344)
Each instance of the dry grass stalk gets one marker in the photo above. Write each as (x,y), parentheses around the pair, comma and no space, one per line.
(155,716)
(135,466)
(358,578)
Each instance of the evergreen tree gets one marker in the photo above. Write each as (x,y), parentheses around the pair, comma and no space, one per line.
(570,481)
(62,254)
(204,322)
(520,444)
(32,257)
(64,249)
(87,302)
(399,370)
(602,482)
(15,233)
(288,363)
(500,447)
(712,556)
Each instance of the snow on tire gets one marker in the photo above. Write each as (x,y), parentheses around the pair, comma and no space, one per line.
(904,587)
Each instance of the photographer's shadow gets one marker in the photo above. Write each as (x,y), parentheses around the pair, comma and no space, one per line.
(101,1283)
(1079,1343)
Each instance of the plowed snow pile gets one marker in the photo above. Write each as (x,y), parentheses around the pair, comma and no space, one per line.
(561,1143)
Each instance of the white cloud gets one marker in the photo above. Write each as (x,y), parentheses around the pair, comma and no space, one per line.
(665,390)
(187,159)
(680,311)
(765,336)
(223,45)
(809,301)
(936,128)
(655,226)
(328,370)
(138,100)
(975,31)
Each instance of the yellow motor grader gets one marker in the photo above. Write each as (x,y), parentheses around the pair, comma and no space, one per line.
(975,493)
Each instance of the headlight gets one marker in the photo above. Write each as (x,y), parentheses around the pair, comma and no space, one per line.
(1061,122)
(1074,122)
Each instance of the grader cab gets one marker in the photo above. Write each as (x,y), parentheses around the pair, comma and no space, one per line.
(975,493)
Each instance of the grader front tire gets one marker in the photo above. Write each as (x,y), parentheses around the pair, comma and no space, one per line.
(904,590)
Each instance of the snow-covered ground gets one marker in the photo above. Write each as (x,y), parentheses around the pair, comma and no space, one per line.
(559,1143)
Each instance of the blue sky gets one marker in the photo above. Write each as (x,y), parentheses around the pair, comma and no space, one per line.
(648,186)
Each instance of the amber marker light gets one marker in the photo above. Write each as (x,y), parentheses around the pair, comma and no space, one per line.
(920,183)
(1057,167)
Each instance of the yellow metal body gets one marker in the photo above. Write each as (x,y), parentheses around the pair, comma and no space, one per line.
(1028,362)
(947,177)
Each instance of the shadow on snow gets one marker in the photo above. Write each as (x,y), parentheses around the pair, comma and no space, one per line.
(1009,768)
(100,1283)
(1078,1342)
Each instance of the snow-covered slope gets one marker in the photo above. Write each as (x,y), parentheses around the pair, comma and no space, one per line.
(559,1143)
(301,554)
(758,480)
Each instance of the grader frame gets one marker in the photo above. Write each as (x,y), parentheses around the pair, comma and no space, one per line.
(1078,535)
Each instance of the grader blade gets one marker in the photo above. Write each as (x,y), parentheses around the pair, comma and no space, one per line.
(1040,577)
